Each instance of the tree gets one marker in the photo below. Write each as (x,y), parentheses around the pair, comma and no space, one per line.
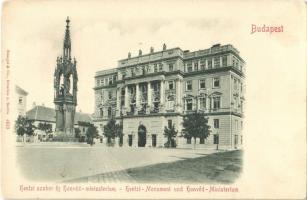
(119,133)
(77,133)
(195,125)
(20,125)
(30,128)
(112,130)
(170,134)
(24,125)
(91,133)
(45,127)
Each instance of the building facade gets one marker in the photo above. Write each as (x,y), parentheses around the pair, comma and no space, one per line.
(148,92)
(21,95)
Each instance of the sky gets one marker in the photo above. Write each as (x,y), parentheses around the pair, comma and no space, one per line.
(103,32)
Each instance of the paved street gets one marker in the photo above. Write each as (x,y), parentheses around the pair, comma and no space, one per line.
(57,163)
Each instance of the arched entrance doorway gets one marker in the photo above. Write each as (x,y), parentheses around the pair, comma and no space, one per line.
(142,136)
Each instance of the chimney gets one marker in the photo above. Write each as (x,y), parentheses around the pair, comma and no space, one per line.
(129,55)
(140,52)
(34,104)
(164,47)
(80,111)
(43,104)
(151,49)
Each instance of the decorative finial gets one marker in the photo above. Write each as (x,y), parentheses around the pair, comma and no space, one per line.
(67,42)
(151,49)
(140,52)
(67,21)
(164,47)
(129,55)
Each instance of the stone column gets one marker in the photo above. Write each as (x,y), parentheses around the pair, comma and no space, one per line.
(137,98)
(221,60)
(162,100)
(162,91)
(126,100)
(148,97)
(178,96)
(118,93)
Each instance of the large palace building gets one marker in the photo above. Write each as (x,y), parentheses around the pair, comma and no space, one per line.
(148,92)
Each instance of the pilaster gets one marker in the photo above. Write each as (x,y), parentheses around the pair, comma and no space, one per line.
(162,98)
(126,100)
(137,99)
(149,97)
(118,102)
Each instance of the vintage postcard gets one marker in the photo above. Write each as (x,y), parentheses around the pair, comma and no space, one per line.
(148,99)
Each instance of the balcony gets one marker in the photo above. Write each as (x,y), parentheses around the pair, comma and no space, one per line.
(170,92)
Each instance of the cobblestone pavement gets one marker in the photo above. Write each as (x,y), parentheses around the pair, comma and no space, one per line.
(75,163)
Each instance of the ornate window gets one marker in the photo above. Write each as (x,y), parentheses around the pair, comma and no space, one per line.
(216,102)
(216,82)
(216,123)
(196,66)
(202,84)
(170,103)
(147,68)
(202,103)
(170,85)
(189,67)
(160,67)
(224,61)
(216,62)
(170,67)
(123,75)
(169,123)
(189,104)
(101,112)
(110,80)
(155,68)
(189,85)
(209,64)
(203,64)
(132,72)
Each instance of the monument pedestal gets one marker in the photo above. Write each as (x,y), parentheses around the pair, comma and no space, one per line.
(61,136)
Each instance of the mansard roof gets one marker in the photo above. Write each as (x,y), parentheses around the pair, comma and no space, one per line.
(43,113)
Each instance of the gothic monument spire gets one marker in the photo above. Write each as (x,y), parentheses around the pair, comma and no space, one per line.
(65,88)
(67,41)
